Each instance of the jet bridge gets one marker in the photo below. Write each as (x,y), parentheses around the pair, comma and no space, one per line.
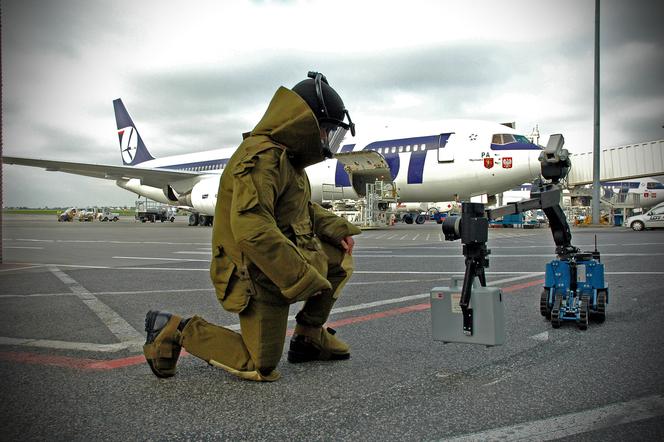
(619,163)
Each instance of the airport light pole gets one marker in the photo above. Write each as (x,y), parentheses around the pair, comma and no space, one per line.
(596,149)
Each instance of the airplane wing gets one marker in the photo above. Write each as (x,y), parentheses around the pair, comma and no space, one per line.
(154,177)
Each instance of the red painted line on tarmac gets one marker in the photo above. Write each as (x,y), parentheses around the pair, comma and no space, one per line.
(517,287)
(112,364)
(384,314)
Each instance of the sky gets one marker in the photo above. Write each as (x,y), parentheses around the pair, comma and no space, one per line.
(196,75)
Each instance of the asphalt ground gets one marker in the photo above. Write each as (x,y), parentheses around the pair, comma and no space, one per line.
(73,298)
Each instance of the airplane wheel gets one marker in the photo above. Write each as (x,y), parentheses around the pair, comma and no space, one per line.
(193,219)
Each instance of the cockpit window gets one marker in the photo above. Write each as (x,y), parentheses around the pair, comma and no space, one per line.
(651,185)
(508,139)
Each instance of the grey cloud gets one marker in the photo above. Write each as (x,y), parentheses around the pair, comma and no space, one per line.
(636,20)
(372,79)
(63,26)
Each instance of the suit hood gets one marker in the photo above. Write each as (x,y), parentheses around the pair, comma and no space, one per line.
(289,121)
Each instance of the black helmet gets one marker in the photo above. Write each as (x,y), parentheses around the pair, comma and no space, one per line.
(327,106)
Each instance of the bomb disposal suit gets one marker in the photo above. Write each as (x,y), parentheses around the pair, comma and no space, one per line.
(271,247)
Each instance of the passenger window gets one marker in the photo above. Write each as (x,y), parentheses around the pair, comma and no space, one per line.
(400,149)
(394,149)
(408,148)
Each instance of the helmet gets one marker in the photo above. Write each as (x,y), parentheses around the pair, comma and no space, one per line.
(329,109)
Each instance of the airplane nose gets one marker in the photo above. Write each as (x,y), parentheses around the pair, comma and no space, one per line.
(534,166)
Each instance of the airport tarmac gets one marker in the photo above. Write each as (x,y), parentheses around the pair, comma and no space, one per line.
(73,298)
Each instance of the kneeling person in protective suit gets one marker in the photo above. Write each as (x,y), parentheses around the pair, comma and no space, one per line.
(271,246)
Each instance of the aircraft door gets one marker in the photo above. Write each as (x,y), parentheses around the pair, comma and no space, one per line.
(445,151)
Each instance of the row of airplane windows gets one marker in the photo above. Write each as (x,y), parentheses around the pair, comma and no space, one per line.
(400,149)
(204,168)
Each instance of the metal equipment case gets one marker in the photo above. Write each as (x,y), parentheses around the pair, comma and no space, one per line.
(488,314)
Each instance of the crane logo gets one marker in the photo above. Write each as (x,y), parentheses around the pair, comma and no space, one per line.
(128,143)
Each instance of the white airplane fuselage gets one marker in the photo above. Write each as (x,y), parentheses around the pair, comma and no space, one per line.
(454,160)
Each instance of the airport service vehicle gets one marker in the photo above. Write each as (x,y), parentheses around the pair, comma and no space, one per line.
(653,218)
(574,286)
(68,215)
(444,161)
(152,211)
(106,215)
(87,215)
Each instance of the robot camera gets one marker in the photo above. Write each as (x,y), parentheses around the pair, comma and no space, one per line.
(471,227)
(452,228)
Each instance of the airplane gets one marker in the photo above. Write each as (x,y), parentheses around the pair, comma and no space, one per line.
(647,192)
(453,160)
(643,192)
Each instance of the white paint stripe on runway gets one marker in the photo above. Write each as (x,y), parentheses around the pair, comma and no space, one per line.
(115,323)
(136,292)
(134,345)
(103,241)
(571,424)
(23,247)
(460,272)
(548,255)
(193,252)
(160,258)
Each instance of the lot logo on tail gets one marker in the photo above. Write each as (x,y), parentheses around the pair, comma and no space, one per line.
(128,143)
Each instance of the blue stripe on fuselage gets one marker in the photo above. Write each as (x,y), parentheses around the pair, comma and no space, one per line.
(418,148)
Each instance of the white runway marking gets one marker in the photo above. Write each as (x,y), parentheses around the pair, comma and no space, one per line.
(571,424)
(134,345)
(160,258)
(193,252)
(547,255)
(115,323)
(136,292)
(22,247)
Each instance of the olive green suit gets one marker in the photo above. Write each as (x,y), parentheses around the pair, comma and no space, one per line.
(271,246)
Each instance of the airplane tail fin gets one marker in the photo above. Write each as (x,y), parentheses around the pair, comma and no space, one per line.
(132,148)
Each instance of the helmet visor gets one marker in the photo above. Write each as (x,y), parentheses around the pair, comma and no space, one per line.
(350,126)
(335,136)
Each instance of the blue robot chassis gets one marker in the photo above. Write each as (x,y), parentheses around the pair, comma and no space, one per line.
(574,290)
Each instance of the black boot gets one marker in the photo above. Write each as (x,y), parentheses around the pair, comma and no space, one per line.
(316,344)
(162,345)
